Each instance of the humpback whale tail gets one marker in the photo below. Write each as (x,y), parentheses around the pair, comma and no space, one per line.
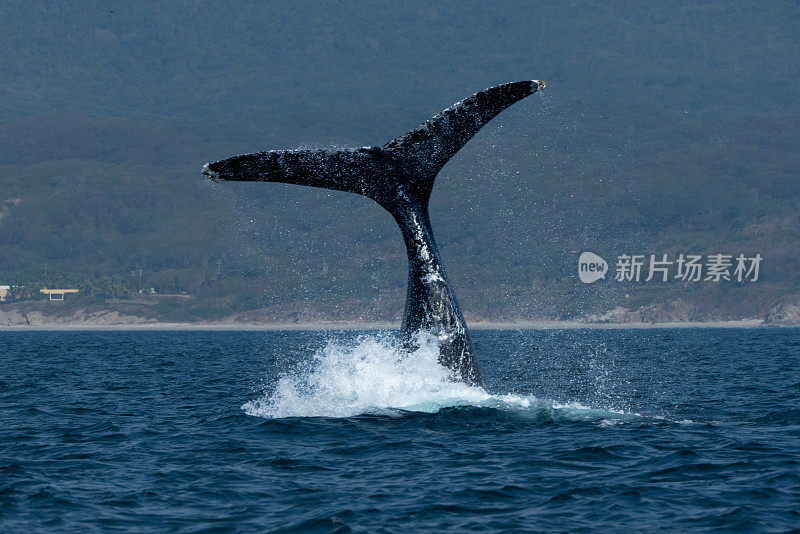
(399,176)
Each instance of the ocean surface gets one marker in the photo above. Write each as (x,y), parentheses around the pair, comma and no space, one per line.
(289,431)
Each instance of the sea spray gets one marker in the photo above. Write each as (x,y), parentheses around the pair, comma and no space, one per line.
(372,374)
(368,375)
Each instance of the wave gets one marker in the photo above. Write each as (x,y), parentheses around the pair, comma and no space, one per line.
(372,375)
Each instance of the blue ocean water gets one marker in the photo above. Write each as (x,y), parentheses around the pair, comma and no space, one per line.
(291,431)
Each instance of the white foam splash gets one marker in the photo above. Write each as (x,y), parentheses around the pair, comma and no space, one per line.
(365,376)
(370,375)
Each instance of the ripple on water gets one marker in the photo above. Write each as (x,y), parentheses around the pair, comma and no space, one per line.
(583,430)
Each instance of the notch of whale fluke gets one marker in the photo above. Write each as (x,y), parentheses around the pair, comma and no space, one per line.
(399,176)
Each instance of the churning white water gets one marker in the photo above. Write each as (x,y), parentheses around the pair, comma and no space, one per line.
(372,375)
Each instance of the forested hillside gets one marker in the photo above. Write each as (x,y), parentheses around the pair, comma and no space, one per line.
(665,128)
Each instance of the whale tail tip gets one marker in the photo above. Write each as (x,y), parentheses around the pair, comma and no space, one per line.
(210,174)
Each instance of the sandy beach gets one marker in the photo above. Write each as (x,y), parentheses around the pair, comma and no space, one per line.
(543,325)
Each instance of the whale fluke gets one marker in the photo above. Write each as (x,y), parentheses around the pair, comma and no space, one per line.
(399,176)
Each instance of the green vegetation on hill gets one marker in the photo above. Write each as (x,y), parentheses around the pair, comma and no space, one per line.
(665,129)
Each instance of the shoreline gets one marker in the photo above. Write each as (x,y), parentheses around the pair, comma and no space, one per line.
(350,326)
